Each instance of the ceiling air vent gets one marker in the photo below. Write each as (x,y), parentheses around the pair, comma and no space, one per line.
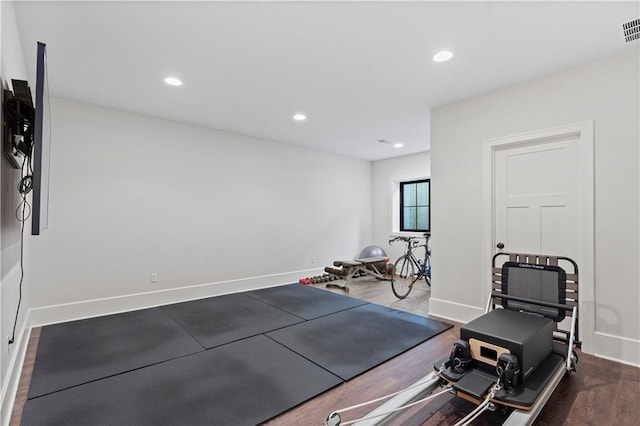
(631,31)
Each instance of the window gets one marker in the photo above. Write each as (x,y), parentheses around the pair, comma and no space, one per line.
(415,214)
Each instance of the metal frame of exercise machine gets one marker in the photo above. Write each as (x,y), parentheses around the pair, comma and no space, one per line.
(509,295)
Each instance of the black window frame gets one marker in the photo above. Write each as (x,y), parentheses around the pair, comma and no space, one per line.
(402,205)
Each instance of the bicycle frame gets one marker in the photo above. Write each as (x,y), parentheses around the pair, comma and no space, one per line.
(422,268)
(419,265)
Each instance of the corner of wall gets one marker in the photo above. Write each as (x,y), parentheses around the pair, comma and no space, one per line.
(453,311)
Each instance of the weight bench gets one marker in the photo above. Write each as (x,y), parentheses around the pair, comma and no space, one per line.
(512,356)
(350,269)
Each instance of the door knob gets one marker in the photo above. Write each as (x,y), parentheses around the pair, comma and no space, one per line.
(500,246)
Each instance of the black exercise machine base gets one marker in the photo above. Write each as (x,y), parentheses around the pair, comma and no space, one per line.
(474,384)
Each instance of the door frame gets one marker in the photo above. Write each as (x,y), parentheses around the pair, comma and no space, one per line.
(586,207)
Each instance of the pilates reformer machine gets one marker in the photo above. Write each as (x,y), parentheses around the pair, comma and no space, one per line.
(372,261)
(513,356)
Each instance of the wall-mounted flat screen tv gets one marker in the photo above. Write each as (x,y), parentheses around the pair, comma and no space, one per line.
(41,146)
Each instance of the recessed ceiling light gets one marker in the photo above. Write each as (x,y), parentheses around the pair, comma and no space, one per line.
(299,117)
(445,55)
(173,81)
(398,145)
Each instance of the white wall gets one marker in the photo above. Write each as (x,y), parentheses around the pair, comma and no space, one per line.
(606,92)
(132,195)
(11,67)
(384,183)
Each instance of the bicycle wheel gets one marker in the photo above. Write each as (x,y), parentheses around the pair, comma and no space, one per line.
(427,272)
(404,275)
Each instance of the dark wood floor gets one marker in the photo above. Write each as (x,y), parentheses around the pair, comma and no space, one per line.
(600,392)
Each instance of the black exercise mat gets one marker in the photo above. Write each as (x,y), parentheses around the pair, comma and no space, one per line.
(242,383)
(351,342)
(219,320)
(304,301)
(81,351)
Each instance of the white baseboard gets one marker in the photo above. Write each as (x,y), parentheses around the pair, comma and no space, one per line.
(454,311)
(617,348)
(608,346)
(12,378)
(94,308)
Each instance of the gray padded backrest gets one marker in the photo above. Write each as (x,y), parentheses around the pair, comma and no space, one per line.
(539,282)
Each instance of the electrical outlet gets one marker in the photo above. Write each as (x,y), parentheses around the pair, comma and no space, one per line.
(313,259)
(154,277)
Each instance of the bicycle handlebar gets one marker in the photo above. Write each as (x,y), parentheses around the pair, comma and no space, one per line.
(405,239)
(410,240)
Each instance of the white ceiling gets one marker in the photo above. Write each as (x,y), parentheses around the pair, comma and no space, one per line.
(360,71)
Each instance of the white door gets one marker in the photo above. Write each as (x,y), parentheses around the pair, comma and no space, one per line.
(538,196)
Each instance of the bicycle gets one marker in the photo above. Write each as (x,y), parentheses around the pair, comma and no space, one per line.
(408,268)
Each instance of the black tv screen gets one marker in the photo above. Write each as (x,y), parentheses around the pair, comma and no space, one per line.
(41,146)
